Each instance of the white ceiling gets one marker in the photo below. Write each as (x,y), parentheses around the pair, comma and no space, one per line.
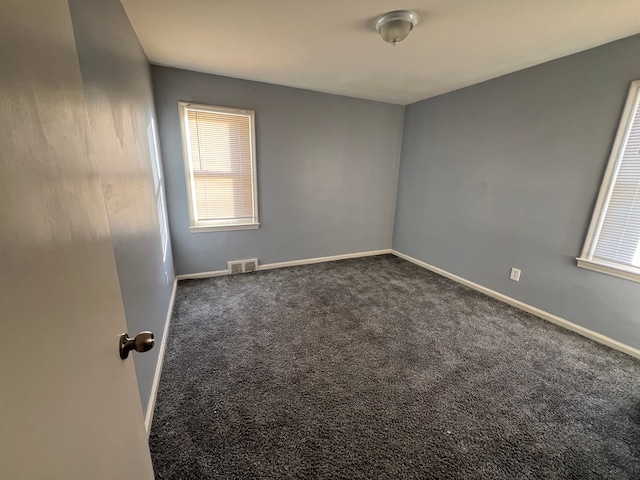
(332,46)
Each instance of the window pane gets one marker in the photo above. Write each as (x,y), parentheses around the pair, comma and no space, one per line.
(619,237)
(220,150)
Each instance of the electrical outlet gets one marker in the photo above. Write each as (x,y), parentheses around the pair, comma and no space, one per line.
(515,274)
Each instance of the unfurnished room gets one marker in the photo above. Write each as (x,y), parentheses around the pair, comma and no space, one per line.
(320,240)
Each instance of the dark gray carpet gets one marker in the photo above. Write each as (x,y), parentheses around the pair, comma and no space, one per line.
(377,369)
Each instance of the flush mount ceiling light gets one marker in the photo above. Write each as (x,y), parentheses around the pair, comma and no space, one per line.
(394,26)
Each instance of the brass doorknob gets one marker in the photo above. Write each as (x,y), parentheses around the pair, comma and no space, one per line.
(143,342)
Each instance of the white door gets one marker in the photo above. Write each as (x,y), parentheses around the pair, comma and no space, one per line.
(69,406)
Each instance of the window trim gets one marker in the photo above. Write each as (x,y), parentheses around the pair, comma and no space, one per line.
(586,260)
(158,186)
(200,226)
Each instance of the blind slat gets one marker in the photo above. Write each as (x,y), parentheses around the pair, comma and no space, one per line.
(221,161)
(618,239)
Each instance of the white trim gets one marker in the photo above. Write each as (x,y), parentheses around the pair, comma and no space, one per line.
(194,276)
(200,226)
(224,228)
(615,269)
(608,184)
(333,258)
(186,160)
(156,378)
(292,263)
(597,337)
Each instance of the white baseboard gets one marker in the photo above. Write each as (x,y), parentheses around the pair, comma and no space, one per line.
(309,261)
(292,263)
(156,378)
(194,276)
(595,336)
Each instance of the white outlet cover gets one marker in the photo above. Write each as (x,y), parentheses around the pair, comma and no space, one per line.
(515,274)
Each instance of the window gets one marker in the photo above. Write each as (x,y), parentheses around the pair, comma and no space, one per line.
(157,182)
(220,167)
(613,240)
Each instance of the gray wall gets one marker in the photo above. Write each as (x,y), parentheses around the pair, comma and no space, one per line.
(506,173)
(119,98)
(327,170)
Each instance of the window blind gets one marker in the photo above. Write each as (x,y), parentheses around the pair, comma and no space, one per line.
(220,154)
(613,241)
(618,239)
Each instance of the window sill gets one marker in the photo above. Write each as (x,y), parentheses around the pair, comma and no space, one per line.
(223,228)
(621,271)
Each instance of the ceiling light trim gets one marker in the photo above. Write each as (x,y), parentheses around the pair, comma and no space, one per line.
(406,16)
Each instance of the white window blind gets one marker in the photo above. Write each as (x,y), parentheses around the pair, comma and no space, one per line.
(220,162)
(613,242)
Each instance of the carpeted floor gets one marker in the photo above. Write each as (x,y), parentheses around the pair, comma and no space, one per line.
(375,368)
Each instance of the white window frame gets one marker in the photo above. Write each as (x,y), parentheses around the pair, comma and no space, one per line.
(158,185)
(586,259)
(199,226)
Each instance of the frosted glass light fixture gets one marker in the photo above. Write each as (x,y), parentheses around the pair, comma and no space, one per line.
(394,26)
